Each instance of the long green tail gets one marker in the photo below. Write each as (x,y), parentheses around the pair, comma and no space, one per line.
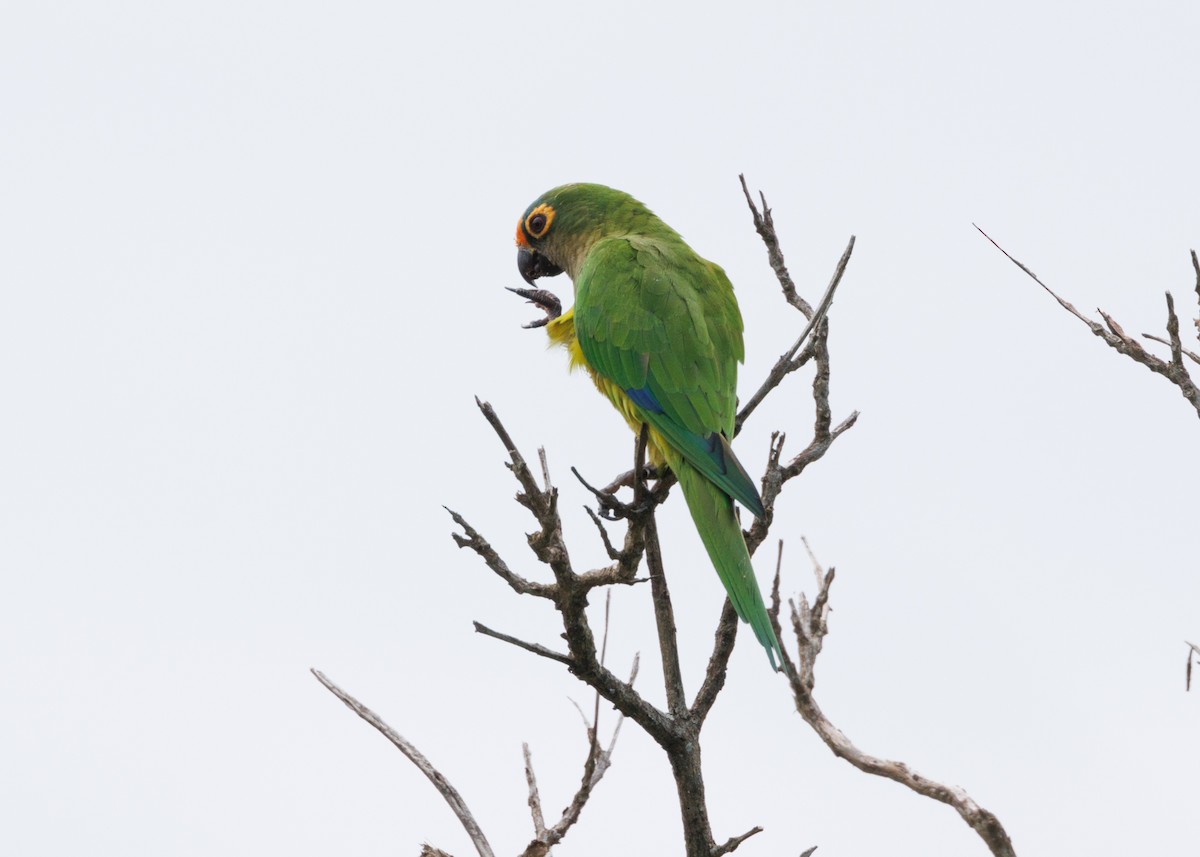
(712,510)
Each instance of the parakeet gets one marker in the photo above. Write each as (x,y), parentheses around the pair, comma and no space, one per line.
(658,329)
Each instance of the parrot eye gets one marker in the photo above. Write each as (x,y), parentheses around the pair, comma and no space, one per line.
(538,221)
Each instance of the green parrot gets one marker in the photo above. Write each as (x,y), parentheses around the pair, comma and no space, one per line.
(658,329)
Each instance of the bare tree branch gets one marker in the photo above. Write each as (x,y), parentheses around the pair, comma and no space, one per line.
(764,224)
(1117,339)
(612,552)
(598,762)
(664,618)
(810,628)
(522,644)
(627,560)
(570,596)
(1196,267)
(1191,355)
(731,845)
(718,662)
(473,540)
(595,765)
(1193,651)
(789,666)
(447,791)
(535,800)
(546,484)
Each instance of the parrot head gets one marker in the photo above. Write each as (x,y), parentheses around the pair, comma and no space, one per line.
(532,250)
(559,228)
(549,232)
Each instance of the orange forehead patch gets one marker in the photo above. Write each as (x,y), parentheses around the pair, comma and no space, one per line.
(521,242)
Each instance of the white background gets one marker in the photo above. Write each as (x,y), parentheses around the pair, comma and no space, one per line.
(252,258)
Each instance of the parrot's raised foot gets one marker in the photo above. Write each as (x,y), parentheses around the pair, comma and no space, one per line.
(545,300)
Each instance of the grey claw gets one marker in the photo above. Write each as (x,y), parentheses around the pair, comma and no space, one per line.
(547,301)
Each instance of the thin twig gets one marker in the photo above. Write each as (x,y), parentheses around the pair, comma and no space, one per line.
(786,362)
(473,540)
(596,764)
(571,598)
(789,666)
(612,552)
(535,800)
(718,662)
(764,225)
(521,644)
(1116,338)
(664,615)
(664,618)
(1190,354)
(1173,333)
(732,844)
(1196,267)
(979,819)
(603,657)
(810,629)
(447,791)
(546,483)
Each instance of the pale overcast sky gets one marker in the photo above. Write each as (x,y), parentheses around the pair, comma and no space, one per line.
(253,262)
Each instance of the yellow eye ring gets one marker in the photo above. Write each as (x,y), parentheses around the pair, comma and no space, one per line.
(538,222)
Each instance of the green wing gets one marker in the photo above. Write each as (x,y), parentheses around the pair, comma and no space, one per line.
(663,324)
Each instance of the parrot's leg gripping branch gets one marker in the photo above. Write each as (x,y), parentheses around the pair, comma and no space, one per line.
(629,477)
(612,509)
(645,499)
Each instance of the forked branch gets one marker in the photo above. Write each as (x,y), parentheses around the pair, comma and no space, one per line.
(788,362)
(597,762)
(809,627)
(1173,369)
(447,791)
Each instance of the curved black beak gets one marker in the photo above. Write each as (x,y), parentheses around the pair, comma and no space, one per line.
(533,264)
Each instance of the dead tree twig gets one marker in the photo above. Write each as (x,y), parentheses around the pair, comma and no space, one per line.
(675,730)
(1173,369)
(788,362)
(598,761)
(445,789)
(810,626)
